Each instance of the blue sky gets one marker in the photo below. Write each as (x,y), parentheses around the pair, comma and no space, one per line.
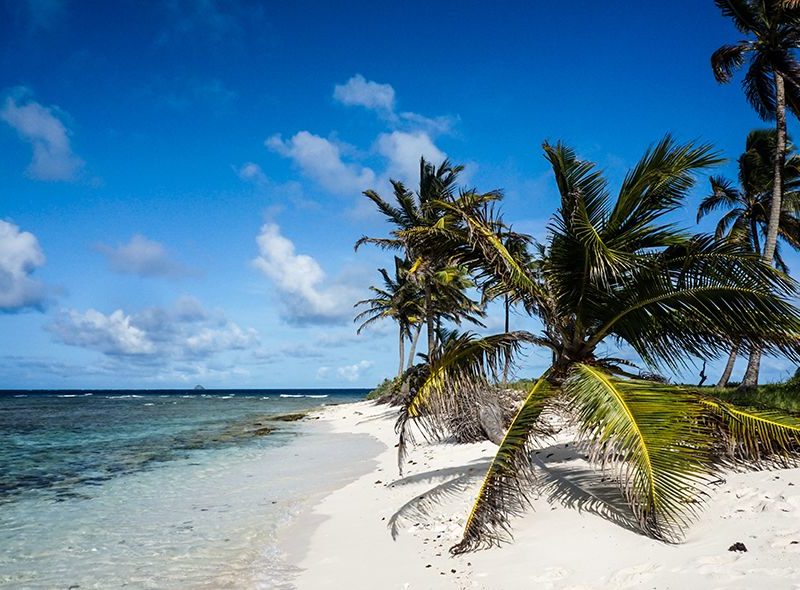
(180,181)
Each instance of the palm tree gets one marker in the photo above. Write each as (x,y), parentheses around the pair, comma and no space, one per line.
(400,300)
(614,270)
(439,280)
(748,206)
(772,83)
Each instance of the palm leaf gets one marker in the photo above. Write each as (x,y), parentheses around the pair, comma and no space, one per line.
(506,484)
(453,384)
(650,434)
(755,435)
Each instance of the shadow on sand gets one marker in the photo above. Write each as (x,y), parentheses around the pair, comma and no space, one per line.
(562,477)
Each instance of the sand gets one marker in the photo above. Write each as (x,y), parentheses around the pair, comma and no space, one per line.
(382,531)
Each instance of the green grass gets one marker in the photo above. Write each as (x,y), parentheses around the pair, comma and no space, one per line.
(784,396)
(385,387)
(773,396)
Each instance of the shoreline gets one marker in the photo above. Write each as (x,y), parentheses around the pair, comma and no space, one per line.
(568,541)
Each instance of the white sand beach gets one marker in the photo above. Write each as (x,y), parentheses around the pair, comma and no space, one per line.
(578,541)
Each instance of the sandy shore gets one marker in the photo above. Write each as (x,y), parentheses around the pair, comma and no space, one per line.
(383,532)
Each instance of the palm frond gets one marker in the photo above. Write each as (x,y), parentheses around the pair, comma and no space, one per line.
(649,435)
(756,436)
(453,384)
(505,488)
(726,60)
(741,12)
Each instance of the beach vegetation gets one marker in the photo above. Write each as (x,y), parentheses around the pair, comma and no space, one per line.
(746,207)
(615,280)
(771,84)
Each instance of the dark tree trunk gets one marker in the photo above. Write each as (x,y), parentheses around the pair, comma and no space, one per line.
(507,364)
(726,374)
(430,321)
(413,350)
(754,362)
(402,351)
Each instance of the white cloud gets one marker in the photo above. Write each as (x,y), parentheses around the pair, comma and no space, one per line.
(321,160)
(38,125)
(142,257)
(299,278)
(252,172)
(353,372)
(186,331)
(20,256)
(350,373)
(358,91)
(229,337)
(403,150)
(110,334)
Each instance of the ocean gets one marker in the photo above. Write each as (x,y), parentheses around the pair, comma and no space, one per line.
(161,489)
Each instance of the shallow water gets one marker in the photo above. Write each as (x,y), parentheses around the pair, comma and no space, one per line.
(160,492)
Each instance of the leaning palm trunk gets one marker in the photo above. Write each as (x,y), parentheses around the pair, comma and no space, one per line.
(754,362)
(402,347)
(726,374)
(412,353)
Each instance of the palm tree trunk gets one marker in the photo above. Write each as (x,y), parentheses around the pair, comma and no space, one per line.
(751,374)
(413,350)
(429,318)
(726,374)
(508,360)
(402,348)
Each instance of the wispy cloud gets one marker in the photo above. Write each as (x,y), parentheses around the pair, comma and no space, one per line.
(142,257)
(381,98)
(40,126)
(20,256)
(39,14)
(349,373)
(301,282)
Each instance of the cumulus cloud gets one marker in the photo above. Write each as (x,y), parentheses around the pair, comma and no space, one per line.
(403,150)
(20,256)
(142,257)
(157,335)
(321,160)
(110,334)
(300,281)
(337,167)
(53,159)
(358,91)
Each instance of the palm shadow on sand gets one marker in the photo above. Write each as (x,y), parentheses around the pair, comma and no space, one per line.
(562,477)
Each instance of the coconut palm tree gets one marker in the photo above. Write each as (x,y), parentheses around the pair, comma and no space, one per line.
(748,206)
(399,300)
(772,83)
(417,211)
(615,270)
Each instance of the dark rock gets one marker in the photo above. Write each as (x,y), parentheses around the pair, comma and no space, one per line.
(738,546)
(288,417)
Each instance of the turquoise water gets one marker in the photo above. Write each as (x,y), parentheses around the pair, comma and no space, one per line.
(161,489)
